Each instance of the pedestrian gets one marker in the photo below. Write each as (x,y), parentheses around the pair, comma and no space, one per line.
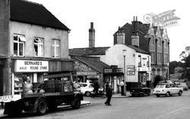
(96,88)
(122,87)
(108,94)
(27,85)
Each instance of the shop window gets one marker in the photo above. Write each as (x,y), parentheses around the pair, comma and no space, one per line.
(56,49)
(18,45)
(39,46)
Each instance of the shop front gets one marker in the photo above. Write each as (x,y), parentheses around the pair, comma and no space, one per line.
(114,76)
(38,71)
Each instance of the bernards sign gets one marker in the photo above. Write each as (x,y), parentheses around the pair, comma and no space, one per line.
(31,66)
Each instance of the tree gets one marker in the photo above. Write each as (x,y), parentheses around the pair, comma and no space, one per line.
(173,65)
(186,67)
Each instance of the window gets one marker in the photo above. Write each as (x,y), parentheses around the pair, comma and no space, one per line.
(18,45)
(139,61)
(56,49)
(121,38)
(39,46)
(148,62)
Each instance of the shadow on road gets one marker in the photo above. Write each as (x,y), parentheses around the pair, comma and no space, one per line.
(25,115)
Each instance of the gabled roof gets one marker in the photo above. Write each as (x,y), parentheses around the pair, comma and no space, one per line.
(88,51)
(34,13)
(135,27)
(92,62)
(138,49)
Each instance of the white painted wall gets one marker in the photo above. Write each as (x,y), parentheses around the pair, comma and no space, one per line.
(144,65)
(115,56)
(31,31)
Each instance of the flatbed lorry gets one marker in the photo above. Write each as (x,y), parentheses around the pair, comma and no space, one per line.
(44,97)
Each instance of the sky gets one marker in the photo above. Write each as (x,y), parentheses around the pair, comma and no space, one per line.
(108,15)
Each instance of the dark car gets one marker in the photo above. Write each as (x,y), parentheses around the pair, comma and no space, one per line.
(140,91)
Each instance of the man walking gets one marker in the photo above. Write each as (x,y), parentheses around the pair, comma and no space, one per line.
(108,94)
(122,87)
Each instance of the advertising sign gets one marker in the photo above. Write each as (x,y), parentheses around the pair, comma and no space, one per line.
(130,70)
(31,66)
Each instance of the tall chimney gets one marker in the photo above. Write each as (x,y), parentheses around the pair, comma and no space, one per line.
(91,35)
(135,36)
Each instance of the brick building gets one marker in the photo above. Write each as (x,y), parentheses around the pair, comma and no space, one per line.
(153,39)
(33,43)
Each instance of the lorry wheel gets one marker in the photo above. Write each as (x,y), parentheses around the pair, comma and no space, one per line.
(76,104)
(42,106)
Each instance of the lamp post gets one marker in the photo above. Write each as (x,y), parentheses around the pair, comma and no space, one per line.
(124,71)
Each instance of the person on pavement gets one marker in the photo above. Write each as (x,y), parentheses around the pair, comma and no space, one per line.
(122,87)
(108,94)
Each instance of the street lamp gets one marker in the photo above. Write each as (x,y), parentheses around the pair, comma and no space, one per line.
(124,55)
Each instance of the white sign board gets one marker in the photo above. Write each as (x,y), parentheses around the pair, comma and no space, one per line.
(31,66)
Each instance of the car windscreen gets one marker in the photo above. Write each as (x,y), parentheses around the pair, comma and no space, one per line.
(160,86)
(83,85)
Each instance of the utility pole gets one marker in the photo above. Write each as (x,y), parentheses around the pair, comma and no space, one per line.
(124,72)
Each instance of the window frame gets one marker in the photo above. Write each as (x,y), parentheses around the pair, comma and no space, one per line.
(54,47)
(18,43)
(38,44)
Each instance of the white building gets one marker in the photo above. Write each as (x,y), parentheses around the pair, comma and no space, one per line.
(137,64)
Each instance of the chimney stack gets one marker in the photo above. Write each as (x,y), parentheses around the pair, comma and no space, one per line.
(135,36)
(91,35)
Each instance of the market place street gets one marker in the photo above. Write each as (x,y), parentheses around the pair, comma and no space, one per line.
(175,107)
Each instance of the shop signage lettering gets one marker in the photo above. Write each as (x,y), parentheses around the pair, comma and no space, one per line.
(31,66)
(130,70)
(113,70)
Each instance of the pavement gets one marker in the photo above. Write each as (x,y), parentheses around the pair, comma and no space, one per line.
(118,95)
(1,112)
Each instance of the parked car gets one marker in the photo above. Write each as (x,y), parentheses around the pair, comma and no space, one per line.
(140,90)
(86,89)
(167,90)
(182,85)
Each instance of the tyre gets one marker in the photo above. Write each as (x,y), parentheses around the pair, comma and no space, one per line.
(168,94)
(180,93)
(76,104)
(42,107)
(157,95)
(88,93)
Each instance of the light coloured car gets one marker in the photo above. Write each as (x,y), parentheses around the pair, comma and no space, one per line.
(86,89)
(167,90)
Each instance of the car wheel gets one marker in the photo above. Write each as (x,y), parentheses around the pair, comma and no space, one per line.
(87,93)
(158,95)
(168,94)
(180,93)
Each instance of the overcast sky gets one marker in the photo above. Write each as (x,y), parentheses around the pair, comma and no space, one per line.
(107,15)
